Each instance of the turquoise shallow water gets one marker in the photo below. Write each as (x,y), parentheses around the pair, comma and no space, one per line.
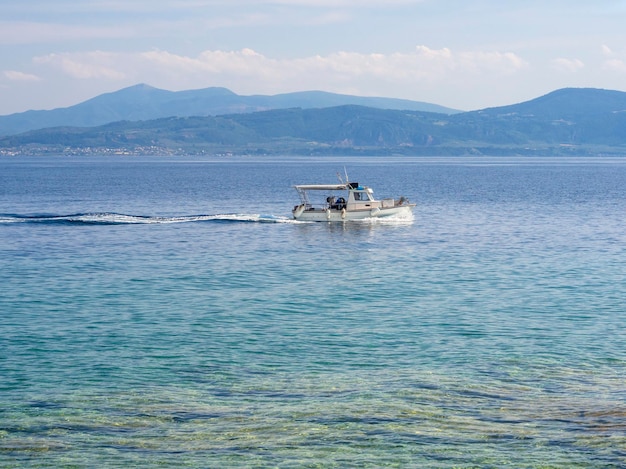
(161,312)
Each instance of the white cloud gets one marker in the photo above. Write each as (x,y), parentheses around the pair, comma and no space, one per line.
(113,19)
(411,75)
(32,32)
(615,65)
(614,61)
(505,63)
(568,65)
(339,3)
(423,63)
(14,75)
(243,62)
(147,5)
(95,64)
(606,50)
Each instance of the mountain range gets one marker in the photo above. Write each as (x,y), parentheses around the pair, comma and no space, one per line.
(571,121)
(143,102)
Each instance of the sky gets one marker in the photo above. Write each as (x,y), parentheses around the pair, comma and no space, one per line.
(463,54)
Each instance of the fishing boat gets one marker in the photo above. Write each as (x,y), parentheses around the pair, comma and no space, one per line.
(345,201)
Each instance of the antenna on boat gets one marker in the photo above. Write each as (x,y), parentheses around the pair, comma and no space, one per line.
(341,179)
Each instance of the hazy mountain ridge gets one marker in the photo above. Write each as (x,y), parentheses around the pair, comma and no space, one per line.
(566,122)
(143,102)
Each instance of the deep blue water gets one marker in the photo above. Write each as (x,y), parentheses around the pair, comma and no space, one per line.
(168,312)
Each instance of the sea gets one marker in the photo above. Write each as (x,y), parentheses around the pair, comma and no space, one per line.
(169,312)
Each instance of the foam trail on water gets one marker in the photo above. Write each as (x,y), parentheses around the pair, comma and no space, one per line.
(108,218)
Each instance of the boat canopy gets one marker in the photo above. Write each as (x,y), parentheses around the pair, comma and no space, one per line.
(322,187)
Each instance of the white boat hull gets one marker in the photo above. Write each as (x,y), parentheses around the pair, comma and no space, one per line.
(346,215)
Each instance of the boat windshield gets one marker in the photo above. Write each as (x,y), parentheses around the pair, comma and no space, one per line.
(358,195)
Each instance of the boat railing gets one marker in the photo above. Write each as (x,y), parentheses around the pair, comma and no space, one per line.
(304,198)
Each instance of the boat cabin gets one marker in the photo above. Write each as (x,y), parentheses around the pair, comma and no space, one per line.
(353,197)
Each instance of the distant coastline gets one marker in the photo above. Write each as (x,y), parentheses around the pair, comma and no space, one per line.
(567,122)
(493,151)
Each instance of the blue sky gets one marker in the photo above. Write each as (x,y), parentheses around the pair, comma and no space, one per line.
(466,55)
